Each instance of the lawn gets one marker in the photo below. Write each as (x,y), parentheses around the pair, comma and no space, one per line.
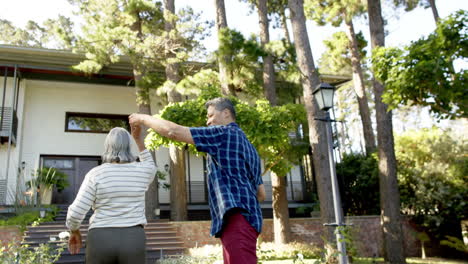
(376,261)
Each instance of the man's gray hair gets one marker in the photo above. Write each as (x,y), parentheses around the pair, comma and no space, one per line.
(117,146)
(222,103)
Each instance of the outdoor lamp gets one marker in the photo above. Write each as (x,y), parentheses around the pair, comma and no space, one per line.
(166,167)
(23,165)
(324,96)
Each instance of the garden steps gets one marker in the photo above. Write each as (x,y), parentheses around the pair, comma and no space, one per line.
(161,238)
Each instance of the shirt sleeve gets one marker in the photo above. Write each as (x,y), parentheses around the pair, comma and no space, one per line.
(147,164)
(84,200)
(208,139)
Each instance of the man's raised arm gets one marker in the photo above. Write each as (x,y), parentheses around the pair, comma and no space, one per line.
(163,127)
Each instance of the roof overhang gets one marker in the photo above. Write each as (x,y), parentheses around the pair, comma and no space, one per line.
(49,64)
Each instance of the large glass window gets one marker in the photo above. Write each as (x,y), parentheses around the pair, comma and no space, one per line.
(94,123)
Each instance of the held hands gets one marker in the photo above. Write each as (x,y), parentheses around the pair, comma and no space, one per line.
(136,131)
(137,119)
(74,242)
(136,122)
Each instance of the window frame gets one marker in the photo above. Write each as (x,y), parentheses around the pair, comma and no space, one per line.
(94,115)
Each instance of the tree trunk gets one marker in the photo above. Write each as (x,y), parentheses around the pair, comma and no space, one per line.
(143,102)
(360,89)
(284,25)
(178,190)
(144,107)
(268,69)
(435,13)
(221,22)
(281,226)
(317,132)
(388,185)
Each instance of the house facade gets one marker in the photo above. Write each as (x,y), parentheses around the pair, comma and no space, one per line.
(48,119)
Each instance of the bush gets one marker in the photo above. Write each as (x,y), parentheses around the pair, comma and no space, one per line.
(49,177)
(272,251)
(432,174)
(265,251)
(359,184)
(28,217)
(43,254)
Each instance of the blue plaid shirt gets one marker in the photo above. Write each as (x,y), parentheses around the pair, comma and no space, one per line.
(233,175)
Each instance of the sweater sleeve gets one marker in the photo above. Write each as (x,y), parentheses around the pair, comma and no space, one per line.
(147,164)
(84,200)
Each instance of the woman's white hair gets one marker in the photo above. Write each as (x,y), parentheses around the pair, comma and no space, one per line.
(118,146)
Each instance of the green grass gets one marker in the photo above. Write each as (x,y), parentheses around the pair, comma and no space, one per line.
(376,261)
(411,261)
(286,261)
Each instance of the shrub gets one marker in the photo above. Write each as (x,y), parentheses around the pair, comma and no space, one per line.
(43,254)
(210,254)
(27,217)
(359,184)
(272,251)
(432,174)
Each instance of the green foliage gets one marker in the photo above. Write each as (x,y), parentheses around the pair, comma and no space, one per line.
(241,57)
(359,184)
(54,33)
(49,177)
(412,4)
(349,237)
(266,127)
(423,73)
(338,53)
(432,174)
(265,251)
(288,78)
(273,251)
(455,242)
(331,11)
(28,217)
(43,254)
(136,29)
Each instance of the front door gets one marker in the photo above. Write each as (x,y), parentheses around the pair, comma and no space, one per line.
(76,168)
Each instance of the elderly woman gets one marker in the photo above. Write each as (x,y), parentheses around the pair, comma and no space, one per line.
(116,191)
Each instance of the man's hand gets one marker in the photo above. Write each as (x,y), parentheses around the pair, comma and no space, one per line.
(261,194)
(74,242)
(163,127)
(137,119)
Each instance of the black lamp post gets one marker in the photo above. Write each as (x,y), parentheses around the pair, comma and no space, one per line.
(324,96)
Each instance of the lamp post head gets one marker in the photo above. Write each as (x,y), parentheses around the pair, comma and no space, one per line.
(323,94)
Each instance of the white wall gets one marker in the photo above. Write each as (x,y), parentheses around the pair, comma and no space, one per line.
(42,125)
(9,155)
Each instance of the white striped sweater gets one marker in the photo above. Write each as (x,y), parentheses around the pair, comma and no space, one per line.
(116,192)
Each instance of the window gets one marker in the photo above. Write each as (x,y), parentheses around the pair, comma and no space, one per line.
(59,163)
(94,123)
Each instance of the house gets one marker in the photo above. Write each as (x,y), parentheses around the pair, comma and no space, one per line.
(47,114)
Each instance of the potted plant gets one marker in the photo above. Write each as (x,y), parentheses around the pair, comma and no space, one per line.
(46,179)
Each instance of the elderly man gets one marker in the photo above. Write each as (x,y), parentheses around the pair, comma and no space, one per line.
(234,183)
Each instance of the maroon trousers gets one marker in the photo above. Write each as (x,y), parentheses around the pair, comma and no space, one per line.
(239,241)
